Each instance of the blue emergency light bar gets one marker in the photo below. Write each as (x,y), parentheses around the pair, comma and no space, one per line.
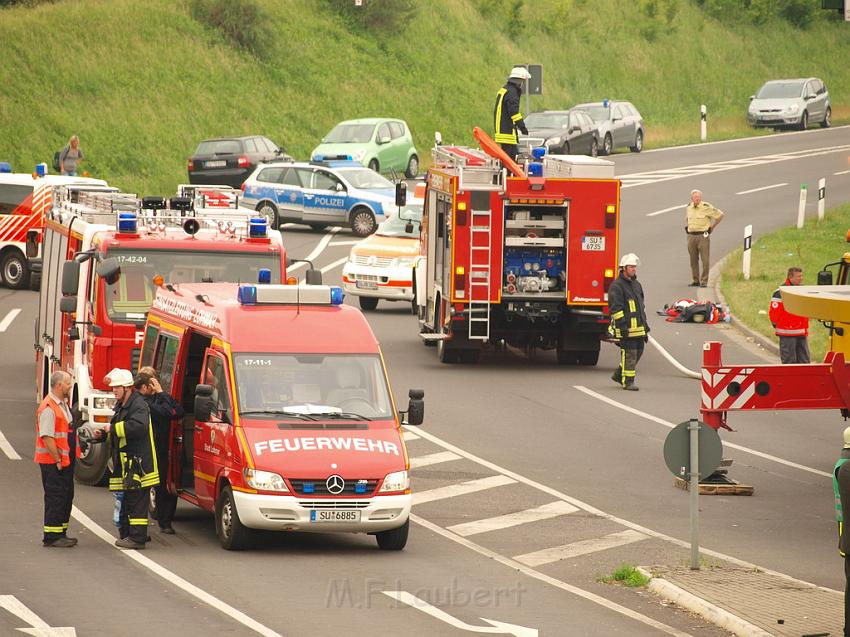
(258,228)
(5,167)
(537,152)
(264,275)
(128,223)
(332,158)
(41,169)
(279,294)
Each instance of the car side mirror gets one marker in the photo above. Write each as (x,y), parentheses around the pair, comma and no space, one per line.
(383,139)
(401,194)
(203,403)
(408,227)
(415,414)
(313,277)
(68,304)
(825,277)
(810,96)
(616,118)
(32,244)
(575,129)
(109,270)
(70,277)
(752,97)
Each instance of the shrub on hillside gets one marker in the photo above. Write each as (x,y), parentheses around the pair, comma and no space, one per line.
(377,15)
(242,22)
(800,13)
(508,13)
(25,3)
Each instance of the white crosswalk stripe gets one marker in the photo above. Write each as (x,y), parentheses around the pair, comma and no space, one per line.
(434,458)
(545,512)
(462,488)
(583,547)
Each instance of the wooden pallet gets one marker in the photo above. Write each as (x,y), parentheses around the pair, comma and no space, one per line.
(717,488)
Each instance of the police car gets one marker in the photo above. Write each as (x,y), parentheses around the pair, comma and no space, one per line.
(320,193)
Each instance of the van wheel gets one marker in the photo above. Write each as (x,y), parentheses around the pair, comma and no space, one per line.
(374,165)
(607,145)
(362,222)
(394,539)
(232,534)
(638,143)
(804,120)
(367,303)
(827,118)
(268,211)
(412,167)
(14,270)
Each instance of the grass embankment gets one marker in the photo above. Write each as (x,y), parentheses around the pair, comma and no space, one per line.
(142,82)
(810,248)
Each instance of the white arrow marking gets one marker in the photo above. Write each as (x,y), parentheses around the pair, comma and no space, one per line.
(40,628)
(495,628)
(8,319)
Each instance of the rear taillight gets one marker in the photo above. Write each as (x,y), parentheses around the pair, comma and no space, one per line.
(191,165)
(243,162)
(242,187)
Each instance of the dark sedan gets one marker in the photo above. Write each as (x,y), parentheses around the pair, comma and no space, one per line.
(229,160)
(562,133)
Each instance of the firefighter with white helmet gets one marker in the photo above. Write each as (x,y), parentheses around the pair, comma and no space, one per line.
(628,320)
(507,116)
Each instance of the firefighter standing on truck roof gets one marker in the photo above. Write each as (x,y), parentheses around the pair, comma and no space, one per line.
(134,465)
(628,320)
(507,116)
(792,330)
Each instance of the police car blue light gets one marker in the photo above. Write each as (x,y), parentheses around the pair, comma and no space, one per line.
(127,222)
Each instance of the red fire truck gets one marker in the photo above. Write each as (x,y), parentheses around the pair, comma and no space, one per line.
(105,254)
(290,423)
(524,259)
(24,199)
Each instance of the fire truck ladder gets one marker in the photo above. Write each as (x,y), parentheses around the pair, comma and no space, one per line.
(480,245)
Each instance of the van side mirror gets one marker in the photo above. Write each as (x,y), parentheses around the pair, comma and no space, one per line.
(825,277)
(313,277)
(68,304)
(109,270)
(70,277)
(752,97)
(203,403)
(401,194)
(408,228)
(384,139)
(415,414)
(32,244)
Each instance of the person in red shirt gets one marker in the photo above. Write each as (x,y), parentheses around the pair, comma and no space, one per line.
(792,330)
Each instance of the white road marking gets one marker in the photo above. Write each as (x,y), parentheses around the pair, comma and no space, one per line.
(345,243)
(584,547)
(545,512)
(546,579)
(409,435)
(842,172)
(462,488)
(583,506)
(320,247)
(495,628)
(333,265)
(7,448)
(174,579)
(39,626)
(434,458)
(7,320)
(670,425)
(747,192)
(661,212)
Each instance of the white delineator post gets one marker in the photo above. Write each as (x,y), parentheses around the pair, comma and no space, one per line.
(821,197)
(748,244)
(801,210)
(703,126)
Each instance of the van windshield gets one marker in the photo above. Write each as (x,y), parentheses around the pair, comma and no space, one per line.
(130,298)
(778,90)
(350,134)
(311,386)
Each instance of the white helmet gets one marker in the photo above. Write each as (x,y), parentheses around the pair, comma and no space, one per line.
(629,259)
(520,73)
(120,378)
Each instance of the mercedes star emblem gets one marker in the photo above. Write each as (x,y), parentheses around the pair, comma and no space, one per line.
(335,484)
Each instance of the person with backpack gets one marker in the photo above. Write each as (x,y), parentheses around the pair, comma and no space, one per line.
(71,156)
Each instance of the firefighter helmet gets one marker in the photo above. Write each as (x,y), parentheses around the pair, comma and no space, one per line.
(121,378)
(847,438)
(520,73)
(629,259)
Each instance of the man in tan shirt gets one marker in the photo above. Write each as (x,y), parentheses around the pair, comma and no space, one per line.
(702,218)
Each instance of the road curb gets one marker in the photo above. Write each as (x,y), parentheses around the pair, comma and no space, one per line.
(716,277)
(716,615)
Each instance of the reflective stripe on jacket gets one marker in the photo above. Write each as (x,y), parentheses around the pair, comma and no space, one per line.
(625,302)
(506,114)
(785,323)
(134,464)
(62,431)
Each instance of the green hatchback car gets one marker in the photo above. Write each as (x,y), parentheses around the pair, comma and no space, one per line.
(381,144)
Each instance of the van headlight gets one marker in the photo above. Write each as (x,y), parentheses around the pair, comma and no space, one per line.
(103,402)
(793,108)
(403,262)
(397,481)
(264,480)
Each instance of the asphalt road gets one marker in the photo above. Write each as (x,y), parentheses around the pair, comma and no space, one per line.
(506,436)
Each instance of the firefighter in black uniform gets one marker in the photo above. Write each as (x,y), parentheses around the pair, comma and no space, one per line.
(628,320)
(507,116)
(134,465)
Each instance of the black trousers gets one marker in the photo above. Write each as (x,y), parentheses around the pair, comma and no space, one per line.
(58,499)
(133,520)
(166,505)
(510,149)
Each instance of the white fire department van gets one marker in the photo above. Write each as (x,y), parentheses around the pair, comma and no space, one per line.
(290,422)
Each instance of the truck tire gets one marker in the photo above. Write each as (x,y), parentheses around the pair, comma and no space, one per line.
(232,534)
(445,353)
(14,271)
(394,539)
(90,468)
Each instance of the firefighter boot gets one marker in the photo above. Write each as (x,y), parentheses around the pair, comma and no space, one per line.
(616,377)
(631,387)
(127,543)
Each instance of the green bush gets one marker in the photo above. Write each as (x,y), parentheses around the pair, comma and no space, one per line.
(384,16)
(242,22)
